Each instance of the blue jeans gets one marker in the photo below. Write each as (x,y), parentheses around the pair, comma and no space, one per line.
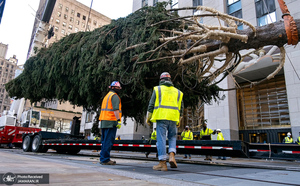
(162,126)
(107,141)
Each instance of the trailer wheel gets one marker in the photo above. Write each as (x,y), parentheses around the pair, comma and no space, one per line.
(73,152)
(26,144)
(37,144)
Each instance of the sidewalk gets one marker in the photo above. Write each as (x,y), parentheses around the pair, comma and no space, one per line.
(199,159)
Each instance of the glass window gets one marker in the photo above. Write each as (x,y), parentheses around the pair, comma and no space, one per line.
(84,17)
(71,19)
(76,29)
(197,3)
(77,22)
(64,24)
(144,3)
(78,14)
(57,21)
(72,12)
(60,6)
(63,31)
(65,16)
(174,4)
(155,2)
(234,8)
(267,19)
(67,9)
(83,25)
(95,22)
(229,2)
(58,14)
(56,29)
(70,27)
(264,106)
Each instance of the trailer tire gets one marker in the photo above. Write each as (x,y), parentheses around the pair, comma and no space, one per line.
(73,152)
(37,144)
(26,144)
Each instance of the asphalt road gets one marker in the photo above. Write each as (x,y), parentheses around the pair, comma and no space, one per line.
(84,169)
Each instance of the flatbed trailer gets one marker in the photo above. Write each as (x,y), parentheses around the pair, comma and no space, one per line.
(66,143)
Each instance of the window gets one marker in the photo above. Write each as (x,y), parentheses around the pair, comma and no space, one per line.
(155,2)
(264,106)
(198,12)
(65,16)
(89,117)
(76,29)
(78,14)
(57,21)
(67,9)
(234,8)
(56,29)
(83,25)
(95,23)
(60,6)
(71,19)
(70,27)
(7,65)
(144,3)
(84,17)
(58,14)
(63,31)
(1,62)
(174,4)
(77,22)
(64,24)
(265,12)
(51,19)
(72,12)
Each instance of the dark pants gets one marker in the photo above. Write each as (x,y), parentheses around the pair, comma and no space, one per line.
(107,141)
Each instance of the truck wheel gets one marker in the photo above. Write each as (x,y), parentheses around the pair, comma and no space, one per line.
(73,151)
(60,151)
(37,144)
(26,144)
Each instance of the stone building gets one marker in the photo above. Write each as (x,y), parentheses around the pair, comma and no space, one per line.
(263,113)
(7,73)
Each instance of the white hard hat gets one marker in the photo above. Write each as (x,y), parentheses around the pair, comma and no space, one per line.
(218,130)
(187,127)
(289,133)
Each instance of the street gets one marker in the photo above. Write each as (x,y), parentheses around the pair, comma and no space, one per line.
(84,169)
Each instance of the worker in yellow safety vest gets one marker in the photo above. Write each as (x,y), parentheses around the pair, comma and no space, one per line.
(220,137)
(165,109)
(288,138)
(205,134)
(298,140)
(187,135)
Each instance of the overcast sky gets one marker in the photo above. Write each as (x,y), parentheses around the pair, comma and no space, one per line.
(18,17)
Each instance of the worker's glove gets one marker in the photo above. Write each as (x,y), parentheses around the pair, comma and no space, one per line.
(149,116)
(119,125)
(215,131)
(180,121)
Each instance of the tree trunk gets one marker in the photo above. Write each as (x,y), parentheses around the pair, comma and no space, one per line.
(271,34)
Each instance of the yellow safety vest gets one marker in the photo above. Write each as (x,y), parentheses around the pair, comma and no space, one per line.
(187,135)
(220,136)
(206,132)
(167,104)
(287,140)
(153,135)
(298,140)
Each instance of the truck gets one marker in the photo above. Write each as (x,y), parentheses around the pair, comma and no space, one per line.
(14,125)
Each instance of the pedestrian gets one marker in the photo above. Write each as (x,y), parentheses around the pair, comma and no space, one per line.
(220,137)
(187,135)
(298,140)
(110,118)
(205,134)
(153,137)
(288,138)
(165,108)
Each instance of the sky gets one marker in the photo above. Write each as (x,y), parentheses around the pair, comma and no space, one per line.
(18,18)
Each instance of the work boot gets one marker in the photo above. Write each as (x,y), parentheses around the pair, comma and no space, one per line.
(162,166)
(108,163)
(172,160)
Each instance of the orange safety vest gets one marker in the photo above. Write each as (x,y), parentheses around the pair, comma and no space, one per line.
(107,112)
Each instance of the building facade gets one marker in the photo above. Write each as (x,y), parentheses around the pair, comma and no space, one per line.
(7,73)
(263,113)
